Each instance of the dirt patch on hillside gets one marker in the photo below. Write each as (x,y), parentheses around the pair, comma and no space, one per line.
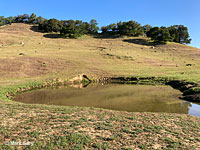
(26,66)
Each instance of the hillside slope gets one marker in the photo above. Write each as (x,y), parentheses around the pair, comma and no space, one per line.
(26,53)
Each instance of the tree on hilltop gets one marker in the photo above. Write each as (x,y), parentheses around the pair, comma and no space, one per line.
(22,18)
(104,29)
(179,33)
(130,28)
(39,20)
(93,26)
(112,27)
(51,25)
(146,28)
(2,20)
(159,34)
(32,18)
(10,19)
(73,29)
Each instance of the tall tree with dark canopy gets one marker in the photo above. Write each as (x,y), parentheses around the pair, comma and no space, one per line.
(39,20)
(2,20)
(130,28)
(51,25)
(146,28)
(104,29)
(73,29)
(159,34)
(179,34)
(32,18)
(112,27)
(164,35)
(22,18)
(10,19)
(153,33)
(93,26)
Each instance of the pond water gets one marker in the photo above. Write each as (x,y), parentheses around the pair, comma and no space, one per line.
(132,98)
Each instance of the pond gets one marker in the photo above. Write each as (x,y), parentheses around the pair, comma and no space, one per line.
(122,97)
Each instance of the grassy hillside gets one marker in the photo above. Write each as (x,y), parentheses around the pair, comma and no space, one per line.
(48,55)
(27,55)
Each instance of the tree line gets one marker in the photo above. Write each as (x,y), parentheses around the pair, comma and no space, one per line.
(77,28)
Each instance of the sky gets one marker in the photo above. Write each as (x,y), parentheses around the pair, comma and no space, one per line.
(153,12)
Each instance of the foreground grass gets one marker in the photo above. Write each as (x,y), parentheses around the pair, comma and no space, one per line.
(55,127)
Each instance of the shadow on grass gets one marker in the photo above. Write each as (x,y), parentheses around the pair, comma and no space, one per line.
(48,35)
(107,36)
(53,36)
(36,29)
(142,42)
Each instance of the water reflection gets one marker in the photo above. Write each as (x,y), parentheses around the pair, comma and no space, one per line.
(132,98)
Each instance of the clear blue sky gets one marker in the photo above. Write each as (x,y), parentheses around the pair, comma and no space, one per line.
(153,12)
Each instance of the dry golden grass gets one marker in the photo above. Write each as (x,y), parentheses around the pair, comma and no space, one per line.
(47,57)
